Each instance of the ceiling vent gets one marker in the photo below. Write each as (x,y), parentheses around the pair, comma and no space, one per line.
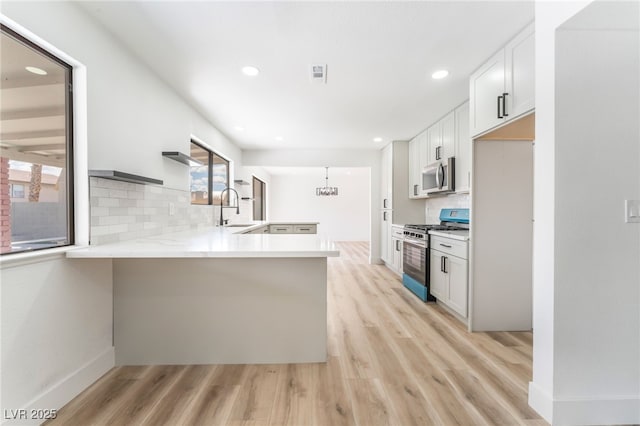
(318,73)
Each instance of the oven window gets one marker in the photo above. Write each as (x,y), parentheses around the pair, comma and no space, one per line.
(414,256)
(414,262)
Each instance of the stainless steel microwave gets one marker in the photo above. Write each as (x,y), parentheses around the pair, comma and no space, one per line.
(439,176)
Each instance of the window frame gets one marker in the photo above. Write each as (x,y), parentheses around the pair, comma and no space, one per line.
(211,153)
(69,169)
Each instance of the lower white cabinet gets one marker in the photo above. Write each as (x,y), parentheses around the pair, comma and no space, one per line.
(281,229)
(304,229)
(397,238)
(287,229)
(261,230)
(386,252)
(449,276)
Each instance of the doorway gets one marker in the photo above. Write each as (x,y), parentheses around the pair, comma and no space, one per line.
(259,199)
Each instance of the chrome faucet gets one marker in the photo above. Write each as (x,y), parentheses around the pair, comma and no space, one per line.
(237,207)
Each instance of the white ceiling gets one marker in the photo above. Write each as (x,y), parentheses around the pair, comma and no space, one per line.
(380,56)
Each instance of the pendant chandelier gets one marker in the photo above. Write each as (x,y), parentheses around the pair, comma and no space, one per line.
(327,190)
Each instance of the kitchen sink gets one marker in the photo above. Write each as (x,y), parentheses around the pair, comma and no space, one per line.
(238,225)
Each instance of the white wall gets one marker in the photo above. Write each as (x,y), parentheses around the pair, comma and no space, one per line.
(344,217)
(331,158)
(586,259)
(56,330)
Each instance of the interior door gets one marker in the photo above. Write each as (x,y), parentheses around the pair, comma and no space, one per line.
(259,199)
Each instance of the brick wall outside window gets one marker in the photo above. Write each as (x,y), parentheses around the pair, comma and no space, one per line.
(5,206)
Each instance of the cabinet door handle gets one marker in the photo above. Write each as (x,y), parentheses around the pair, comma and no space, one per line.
(444,263)
(445,245)
(384,203)
(504,105)
(437,152)
(415,189)
(499,102)
(397,245)
(441,263)
(304,229)
(384,216)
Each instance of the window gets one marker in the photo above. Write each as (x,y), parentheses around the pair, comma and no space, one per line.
(17,191)
(208,180)
(36,179)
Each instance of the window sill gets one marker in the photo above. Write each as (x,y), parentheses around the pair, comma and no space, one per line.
(20,259)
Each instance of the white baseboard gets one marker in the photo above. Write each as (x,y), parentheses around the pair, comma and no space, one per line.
(623,409)
(612,410)
(68,388)
(540,401)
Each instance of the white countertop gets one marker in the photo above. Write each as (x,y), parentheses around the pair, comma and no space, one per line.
(462,235)
(216,242)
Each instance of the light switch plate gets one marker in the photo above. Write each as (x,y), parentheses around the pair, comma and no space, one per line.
(632,211)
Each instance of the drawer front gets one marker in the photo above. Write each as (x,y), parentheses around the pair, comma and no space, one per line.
(281,229)
(449,246)
(397,232)
(304,229)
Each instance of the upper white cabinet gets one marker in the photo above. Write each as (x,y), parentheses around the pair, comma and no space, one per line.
(386,174)
(440,139)
(462,149)
(418,159)
(503,87)
(448,137)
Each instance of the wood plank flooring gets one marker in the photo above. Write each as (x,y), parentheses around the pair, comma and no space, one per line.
(393,360)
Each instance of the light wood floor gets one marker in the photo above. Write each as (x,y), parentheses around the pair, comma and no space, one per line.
(392,360)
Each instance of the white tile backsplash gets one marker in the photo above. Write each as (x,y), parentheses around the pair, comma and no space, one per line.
(435,204)
(122,211)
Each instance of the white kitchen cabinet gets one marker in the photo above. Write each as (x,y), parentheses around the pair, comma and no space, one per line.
(281,229)
(462,149)
(437,279)
(502,88)
(261,230)
(441,137)
(304,229)
(449,273)
(386,250)
(386,177)
(434,143)
(520,73)
(447,136)
(396,206)
(414,168)
(397,238)
(423,155)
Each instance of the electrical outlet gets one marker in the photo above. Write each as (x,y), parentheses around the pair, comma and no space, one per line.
(632,211)
(172,209)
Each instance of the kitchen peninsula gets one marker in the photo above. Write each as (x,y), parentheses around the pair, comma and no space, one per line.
(219,295)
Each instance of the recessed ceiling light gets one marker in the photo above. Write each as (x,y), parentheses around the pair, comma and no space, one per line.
(250,71)
(36,70)
(377,139)
(279,138)
(239,128)
(439,74)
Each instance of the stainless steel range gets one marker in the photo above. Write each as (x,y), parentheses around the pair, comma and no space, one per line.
(415,258)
